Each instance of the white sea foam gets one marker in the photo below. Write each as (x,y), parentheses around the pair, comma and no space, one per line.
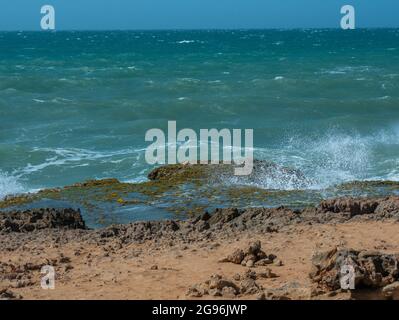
(185,41)
(328,160)
(74,157)
(9,185)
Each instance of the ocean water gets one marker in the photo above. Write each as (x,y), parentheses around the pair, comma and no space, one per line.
(76,105)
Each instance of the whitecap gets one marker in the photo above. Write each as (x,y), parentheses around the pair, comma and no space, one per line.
(39,101)
(185,41)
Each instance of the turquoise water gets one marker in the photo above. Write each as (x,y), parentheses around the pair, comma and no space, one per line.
(76,105)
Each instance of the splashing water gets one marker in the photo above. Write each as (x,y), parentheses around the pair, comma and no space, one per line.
(9,185)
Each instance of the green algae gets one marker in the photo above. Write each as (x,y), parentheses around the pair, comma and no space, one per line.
(186,190)
(368,185)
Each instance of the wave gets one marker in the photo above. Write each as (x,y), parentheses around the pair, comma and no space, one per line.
(329,160)
(75,157)
(9,185)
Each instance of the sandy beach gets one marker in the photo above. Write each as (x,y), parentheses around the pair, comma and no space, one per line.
(193,259)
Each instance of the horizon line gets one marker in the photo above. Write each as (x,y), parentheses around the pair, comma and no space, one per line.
(196,29)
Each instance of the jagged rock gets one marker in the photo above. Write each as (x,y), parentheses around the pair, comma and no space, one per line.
(219,286)
(236,257)
(389,207)
(268,274)
(372,270)
(223,216)
(215,286)
(250,263)
(7,294)
(218,282)
(263,262)
(251,256)
(37,219)
(229,292)
(249,286)
(391,291)
(196,291)
(349,205)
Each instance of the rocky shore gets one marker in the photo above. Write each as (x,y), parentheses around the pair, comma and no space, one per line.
(262,253)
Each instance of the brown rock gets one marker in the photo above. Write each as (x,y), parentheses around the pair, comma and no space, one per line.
(391,291)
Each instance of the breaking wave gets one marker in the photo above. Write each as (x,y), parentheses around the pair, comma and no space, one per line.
(323,162)
(9,185)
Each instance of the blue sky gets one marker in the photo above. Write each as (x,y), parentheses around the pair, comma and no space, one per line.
(194,14)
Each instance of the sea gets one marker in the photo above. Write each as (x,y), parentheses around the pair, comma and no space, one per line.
(77,105)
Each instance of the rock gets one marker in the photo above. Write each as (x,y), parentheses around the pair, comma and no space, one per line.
(202,226)
(278,263)
(250,256)
(38,219)
(229,292)
(195,292)
(64,259)
(250,263)
(253,248)
(215,292)
(349,205)
(372,270)
(223,216)
(261,296)
(389,207)
(154,267)
(218,282)
(6,294)
(219,286)
(391,291)
(249,286)
(263,262)
(236,257)
(268,274)
(274,295)
(249,274)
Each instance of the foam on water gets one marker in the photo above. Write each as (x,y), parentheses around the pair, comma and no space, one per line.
(76,110)
(9,185)
(329,160)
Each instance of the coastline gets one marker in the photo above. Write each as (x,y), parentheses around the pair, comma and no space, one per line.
(191,259)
